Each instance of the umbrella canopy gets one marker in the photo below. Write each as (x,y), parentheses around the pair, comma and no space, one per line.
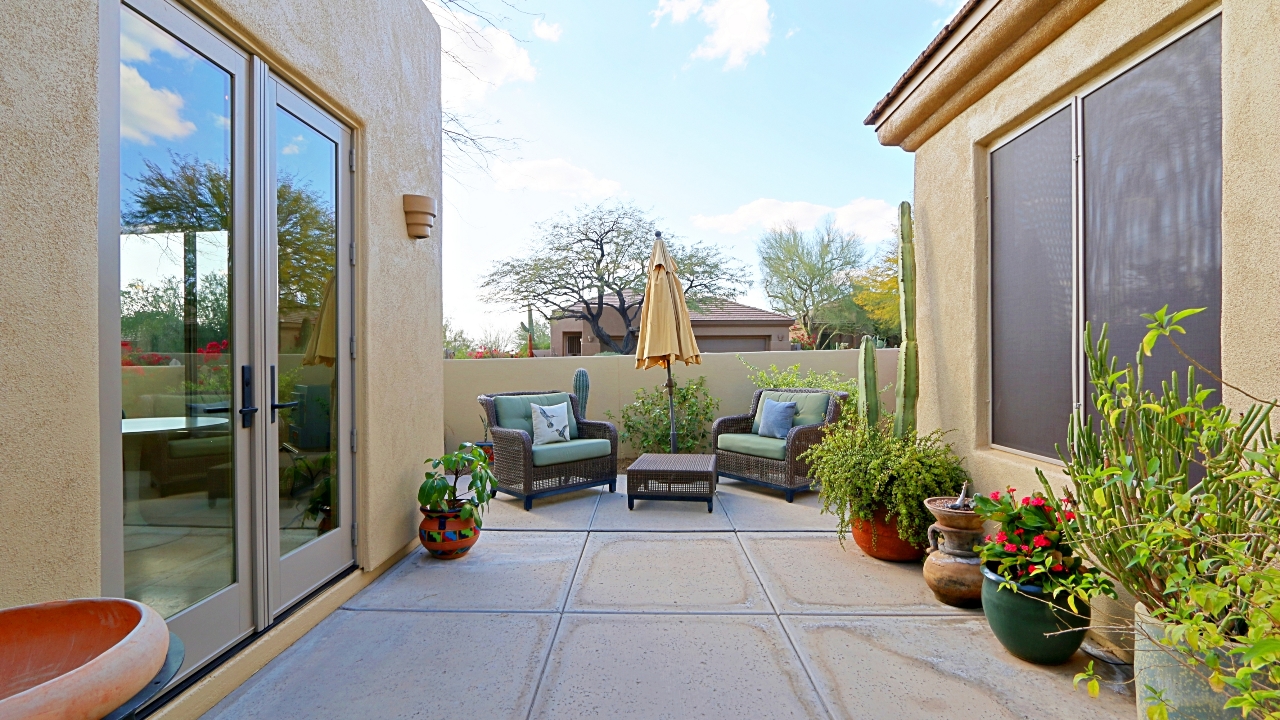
(666,336)
(322,347)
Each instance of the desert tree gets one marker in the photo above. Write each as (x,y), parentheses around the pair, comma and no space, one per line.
(807,274)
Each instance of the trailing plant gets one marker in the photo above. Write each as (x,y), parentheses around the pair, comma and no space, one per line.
(646,422)
(863,468)
(439,494)
(1177,498)
(1029,548)
(773,378)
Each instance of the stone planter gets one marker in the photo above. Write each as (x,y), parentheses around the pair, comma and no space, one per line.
(445,535)
(953,570)
(879,539)
(1030,624)
(1186,692)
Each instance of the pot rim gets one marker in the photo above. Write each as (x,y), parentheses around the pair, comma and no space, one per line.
(929,503)
(991,575)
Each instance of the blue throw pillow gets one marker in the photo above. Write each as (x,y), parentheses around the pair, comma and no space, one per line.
(776,421)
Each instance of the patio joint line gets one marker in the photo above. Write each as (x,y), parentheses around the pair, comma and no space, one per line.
(555,635)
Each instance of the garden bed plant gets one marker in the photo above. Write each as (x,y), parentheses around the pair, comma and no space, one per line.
(646,422)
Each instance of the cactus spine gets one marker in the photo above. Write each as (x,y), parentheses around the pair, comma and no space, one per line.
(868,393)
(908,385)
(581,386)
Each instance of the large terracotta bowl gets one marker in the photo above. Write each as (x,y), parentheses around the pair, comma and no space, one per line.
(76,659)
(878,538)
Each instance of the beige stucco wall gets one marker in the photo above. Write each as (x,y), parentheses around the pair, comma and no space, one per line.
(614,381)
(951,218)
(373,64)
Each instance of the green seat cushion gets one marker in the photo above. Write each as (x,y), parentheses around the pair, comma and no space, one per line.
(811,408)
(570,450)
(752,444)
(200,447)
(514,412)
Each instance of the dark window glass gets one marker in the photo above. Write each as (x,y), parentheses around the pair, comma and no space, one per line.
(1031,288)
(1153,201)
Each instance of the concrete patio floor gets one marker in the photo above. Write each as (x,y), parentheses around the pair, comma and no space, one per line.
(583,609)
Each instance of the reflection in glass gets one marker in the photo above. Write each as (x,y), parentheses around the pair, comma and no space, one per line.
(175,320)
(306,236)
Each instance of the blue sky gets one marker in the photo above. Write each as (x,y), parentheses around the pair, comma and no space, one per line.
(721,117)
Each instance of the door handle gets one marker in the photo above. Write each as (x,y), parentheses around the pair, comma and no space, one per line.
(275,405)
(247,409)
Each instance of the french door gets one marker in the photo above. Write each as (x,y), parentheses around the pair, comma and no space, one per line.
(235,300)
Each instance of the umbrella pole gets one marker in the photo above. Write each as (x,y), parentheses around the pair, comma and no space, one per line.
(671,405)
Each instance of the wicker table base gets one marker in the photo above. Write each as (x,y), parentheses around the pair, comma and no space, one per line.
(672,477)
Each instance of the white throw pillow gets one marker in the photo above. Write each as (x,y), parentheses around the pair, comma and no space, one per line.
(550,423)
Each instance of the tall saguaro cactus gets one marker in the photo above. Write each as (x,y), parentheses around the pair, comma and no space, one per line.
(581,386)
(908,386)
(868,392)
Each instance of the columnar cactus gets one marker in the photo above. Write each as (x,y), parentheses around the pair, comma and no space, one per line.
(868,393)
(908,385)
(581,386)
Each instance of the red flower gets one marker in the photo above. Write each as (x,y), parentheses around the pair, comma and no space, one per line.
(1026,501)
(1032,568)
(995,494)
(1037,502)
(1018,531)
(1041,541)
(1010,547)
(1069,515)
(1026,548)
(1057,568)
(1001,537)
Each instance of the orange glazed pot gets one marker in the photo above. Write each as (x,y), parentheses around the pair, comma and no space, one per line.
(879,539)
(445,534)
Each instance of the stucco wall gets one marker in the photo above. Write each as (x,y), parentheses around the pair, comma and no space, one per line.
(49,507)
(614,381)
(951,218)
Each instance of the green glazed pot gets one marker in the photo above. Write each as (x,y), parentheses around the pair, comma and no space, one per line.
(1021,621)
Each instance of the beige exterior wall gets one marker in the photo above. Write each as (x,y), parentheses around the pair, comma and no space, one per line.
(376,66)
(951,210)
(614,381)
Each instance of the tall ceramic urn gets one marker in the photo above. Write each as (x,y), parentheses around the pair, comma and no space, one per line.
(953,570)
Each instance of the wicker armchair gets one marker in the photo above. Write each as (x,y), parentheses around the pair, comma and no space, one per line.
(789,475)
(513,456)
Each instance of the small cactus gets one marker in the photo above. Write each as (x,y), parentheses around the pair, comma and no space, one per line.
(581,386)
(868,393)
(908,385)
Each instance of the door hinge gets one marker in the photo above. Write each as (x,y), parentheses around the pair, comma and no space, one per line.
(351,252)
(353,440)
(351,157)
(355,537)
(353,347)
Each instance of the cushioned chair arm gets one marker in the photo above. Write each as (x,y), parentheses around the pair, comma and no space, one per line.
(592,429)
(730,424)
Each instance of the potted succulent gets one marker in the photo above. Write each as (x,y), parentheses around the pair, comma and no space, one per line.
(451,524)
(1035,591)
(876,482)
(1177,499)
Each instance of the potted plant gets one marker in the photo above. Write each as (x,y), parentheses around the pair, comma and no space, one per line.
(875,483)
(1176,497)
(451,524)
(487,445)
(1035,591)
(320,504)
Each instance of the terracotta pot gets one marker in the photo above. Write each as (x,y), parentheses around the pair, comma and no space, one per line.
(879,539)
(445,535)
(77,658)
(953,570)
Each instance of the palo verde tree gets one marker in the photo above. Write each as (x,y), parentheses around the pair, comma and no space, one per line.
(804,275)
(594,263)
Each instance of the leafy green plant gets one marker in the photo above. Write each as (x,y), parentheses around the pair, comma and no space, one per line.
(646,422)
(1177,498)
(791,378)
(865,467)
(439,494)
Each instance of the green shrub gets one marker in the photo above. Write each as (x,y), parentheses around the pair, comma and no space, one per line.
(646,423)
(862,468)
(791,378)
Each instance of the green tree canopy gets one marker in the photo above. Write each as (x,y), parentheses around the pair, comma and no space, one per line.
(807,274)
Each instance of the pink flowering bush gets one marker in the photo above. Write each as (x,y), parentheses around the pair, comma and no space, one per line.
(1029,549)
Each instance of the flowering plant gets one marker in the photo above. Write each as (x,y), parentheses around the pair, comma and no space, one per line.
(1029,547)
(132,357)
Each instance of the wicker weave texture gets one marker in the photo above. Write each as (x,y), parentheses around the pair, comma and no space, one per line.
(661,474)
(791,473)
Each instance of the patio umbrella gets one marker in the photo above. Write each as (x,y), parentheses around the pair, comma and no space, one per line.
(322,346)
(666,335)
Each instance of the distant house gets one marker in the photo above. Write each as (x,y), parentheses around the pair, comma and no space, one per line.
(722,326)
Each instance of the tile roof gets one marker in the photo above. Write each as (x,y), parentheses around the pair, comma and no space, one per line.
(722,311)
(922,60)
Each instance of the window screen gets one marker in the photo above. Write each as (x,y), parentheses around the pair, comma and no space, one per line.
(1152,151)
(1031,281)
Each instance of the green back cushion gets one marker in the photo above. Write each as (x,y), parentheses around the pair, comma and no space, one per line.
(514,412)
(811,408)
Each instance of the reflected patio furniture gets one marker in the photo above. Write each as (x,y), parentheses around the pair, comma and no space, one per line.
(178,450)
(588,459)
(742,454)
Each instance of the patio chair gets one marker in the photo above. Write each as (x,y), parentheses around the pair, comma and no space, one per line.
(775,463)
(589,458)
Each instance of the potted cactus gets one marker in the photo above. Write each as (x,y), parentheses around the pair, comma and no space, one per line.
(451,524)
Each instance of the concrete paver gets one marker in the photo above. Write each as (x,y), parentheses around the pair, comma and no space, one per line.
(570,511)
(751,507)
(660,515)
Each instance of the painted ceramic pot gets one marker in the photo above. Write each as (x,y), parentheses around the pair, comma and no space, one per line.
(879,539)
(1030,624)
(445,534)
(953,570)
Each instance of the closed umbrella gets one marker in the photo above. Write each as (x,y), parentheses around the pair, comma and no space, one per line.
(666,335)
(322,346)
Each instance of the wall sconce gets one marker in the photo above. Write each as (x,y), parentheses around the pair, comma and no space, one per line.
(419,215)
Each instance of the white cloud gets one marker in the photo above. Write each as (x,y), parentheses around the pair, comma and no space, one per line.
(739,28)
(872,219)
(951,7)
(295,145)
(554,176)
(139,38)
(147,112)
(547,31)
(478,59)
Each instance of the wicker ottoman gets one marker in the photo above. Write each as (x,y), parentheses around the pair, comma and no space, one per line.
(672,477)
